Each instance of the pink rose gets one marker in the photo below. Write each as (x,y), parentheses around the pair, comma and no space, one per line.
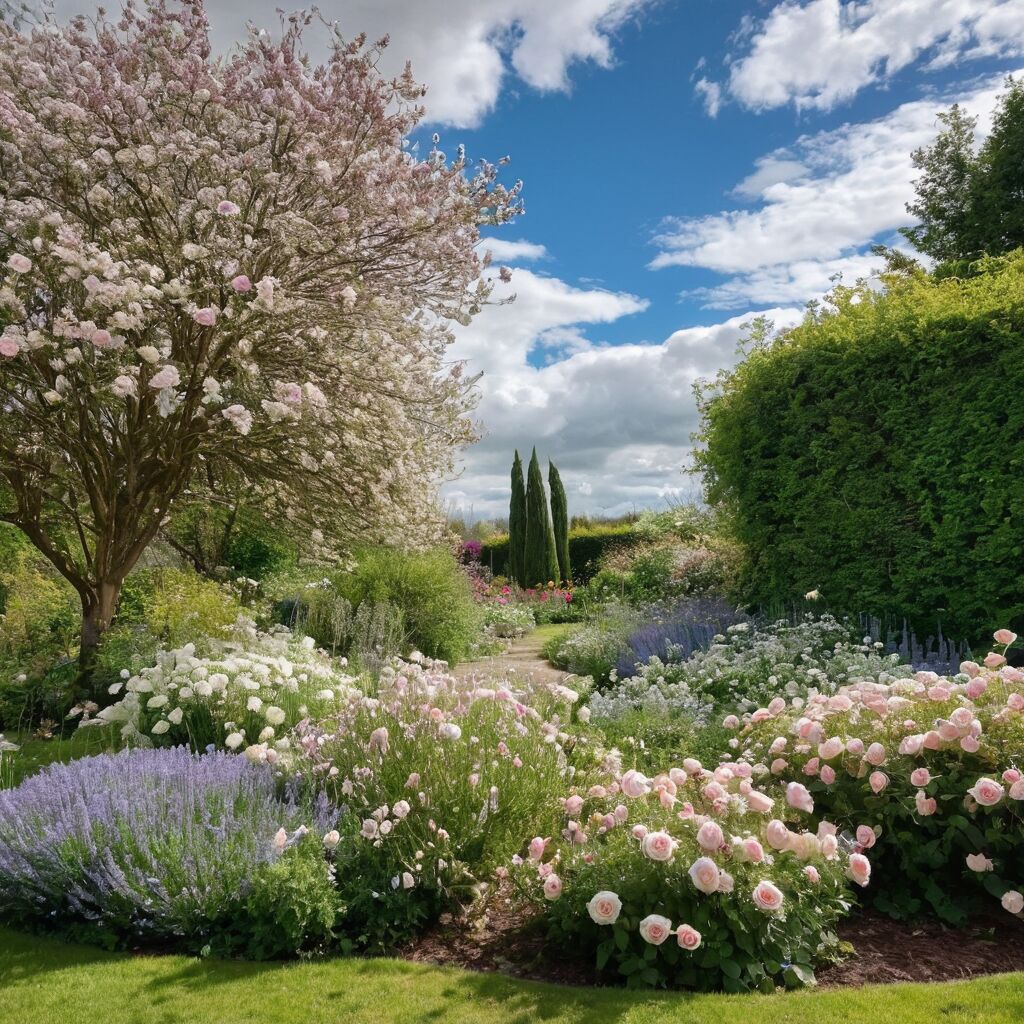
(979,862)
(730,722)
(875,754)
(658,846)
(759,802)
(767,897)
(798,797)
(859,869)
(604,908)
(638,831)
(9,348)
(812,874)
(855,746)
(970,668)
(993,660)
(987,792)
(205,317)
(878,781)
(710,836)
(573,805)
(537,847)
(1013,901)
(1017,790)
(778,766)
(828,775)
(687,937)
(18,263)
(1011,775)
(920,777)
(165,377)
(866,836)
(101,338)
(832,747)
(926,805)
(635,784)
(655,929)
(753,851)
(725,882)
(829,846)
(552,887)
(705,874)
(970,744)
(241,283)
(1004,637)
(976,687)
(778,835)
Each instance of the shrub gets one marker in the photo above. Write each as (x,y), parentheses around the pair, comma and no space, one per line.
(162,844)
(931,765)
(246,696)
(587,544)
(687,880)
(596,648)
(508,619)
(430,590)
(438,778)
(875,451)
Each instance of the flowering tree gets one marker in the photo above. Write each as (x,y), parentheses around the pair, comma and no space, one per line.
(222,273)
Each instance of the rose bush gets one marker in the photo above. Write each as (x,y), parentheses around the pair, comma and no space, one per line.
(929,770)
(437,778)
(692,878)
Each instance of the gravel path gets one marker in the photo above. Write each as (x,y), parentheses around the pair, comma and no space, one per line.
(524,658)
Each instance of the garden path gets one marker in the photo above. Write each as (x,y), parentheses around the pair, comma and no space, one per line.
(523,657)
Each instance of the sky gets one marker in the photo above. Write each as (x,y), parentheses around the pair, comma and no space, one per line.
(688,164)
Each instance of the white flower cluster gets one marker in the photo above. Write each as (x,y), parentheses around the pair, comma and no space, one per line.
(240,700)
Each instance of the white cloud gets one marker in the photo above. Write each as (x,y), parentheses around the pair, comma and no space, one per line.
(504,250)
(821,53)
(616,419)
(711,95)
(465,51)
(822,202)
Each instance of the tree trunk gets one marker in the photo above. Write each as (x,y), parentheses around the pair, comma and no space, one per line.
(98,608)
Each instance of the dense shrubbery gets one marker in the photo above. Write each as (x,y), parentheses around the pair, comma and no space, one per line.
(586,547)
(151,845)
(875,452)
(687,879)
(933,765)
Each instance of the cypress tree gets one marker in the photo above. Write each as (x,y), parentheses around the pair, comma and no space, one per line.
(541,564)
(517,524)
(559,521)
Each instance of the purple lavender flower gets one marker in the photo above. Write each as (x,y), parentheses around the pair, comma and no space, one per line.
(143,842)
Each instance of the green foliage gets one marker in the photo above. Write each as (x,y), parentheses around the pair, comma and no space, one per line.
(540,562)
(517,525)
(587,546)
(969,202)
(430,590)
(876,452)
(594,649)
(560,522)
(367,635)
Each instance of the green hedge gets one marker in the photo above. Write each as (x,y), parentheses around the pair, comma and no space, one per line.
(586,546)
(876,453)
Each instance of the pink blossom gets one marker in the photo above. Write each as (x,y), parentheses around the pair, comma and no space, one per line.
(552,887)
(655,929)
(687,937)
(205,317)
(859,869)
(227,208)
(573,805)
(241,283)
(9,348)
(1004,637)
(878,781)
(926,805)
(798,796)
(866,836)
(658,846)
(165,377)
(979,862)
(812,874)
(705,875)
(987,792)
(767,897)
(1013,901)
(18,263)
(828,775)
(993,660)
(920,777)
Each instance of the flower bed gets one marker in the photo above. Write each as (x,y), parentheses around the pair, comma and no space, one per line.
(690,879)
(930,767)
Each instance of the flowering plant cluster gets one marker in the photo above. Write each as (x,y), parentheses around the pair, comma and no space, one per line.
(245,698)
(746,666)
(507,619)
(437,778)
(165,844)
(693,878)
(934,764)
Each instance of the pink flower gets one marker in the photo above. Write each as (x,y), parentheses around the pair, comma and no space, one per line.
(875,754)
(604,907)
(753,851)
(993,660)
(832,747)
(920,777)
(828,775)
(730,722)
(866,836)
(573,805)
(687,937)
(658,846)
(878,781)
(413,781)
(1011,775)
(976,687)
(798,796)
(1013,901)
(165,377)
(759,802)
(635,784)
(829,846)
(926,805)
(1004,637)
(987,792)
(859,869)
(778,835)
(767,897)
(552,887)
(18,263)
(812,874)
(9,348)
(101,338)
(971,744)
(227,208)
(205,317)
(537,847)
(638,831)
(710,836)
(655,929)
(705,874)
(241,283)
(979,862)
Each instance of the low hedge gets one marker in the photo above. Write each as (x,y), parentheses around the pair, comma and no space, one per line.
(586,547)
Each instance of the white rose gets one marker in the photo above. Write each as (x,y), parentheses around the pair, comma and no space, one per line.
(604,907)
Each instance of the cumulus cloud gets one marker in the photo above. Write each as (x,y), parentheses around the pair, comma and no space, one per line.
(504,250)
(819,204)
(818,54)
(616,419)
(465,51)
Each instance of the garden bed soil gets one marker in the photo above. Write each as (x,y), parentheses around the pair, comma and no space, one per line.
(511,940)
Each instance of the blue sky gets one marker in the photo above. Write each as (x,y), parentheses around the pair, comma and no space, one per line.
(688,164)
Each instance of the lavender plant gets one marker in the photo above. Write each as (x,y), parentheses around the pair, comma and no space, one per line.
(158,844)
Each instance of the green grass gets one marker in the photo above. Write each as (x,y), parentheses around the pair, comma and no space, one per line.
(34,754)
(44,981)
(552,629)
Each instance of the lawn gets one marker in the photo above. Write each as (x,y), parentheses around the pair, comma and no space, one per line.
(45,980)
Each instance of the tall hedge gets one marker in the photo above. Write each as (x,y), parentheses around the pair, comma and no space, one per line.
(540,563)
(517,524)
(876,453)
(559,521)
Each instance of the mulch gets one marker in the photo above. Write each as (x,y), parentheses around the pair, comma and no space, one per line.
(510,940)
